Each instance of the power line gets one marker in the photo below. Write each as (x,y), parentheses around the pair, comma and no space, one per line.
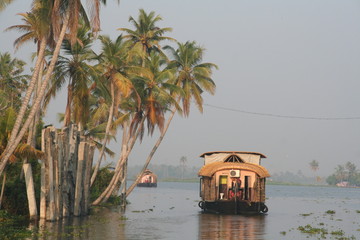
(281,116)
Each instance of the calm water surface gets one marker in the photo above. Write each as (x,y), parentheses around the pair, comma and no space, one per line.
(171,211)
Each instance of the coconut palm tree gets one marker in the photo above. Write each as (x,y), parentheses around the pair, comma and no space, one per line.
(114,62)
(193,77)
(314,165)
(12,80)
(36,29)
(146,36)
(65,16)
(4,4)
(74,66)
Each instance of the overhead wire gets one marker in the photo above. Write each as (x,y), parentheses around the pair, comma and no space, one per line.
(279,115)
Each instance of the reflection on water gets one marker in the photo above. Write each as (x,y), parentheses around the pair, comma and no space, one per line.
(105,223)
(171,211)
(229,227)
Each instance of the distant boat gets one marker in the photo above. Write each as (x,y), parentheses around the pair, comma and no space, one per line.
(148,179)
(233,182)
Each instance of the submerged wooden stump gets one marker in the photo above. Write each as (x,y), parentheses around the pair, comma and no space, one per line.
(65,173)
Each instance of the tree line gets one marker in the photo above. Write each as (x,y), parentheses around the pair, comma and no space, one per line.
(134,84)
(345,175)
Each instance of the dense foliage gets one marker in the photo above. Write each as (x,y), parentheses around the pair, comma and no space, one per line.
(345,175)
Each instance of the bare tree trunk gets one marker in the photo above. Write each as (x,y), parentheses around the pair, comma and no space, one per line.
(157,144)
(107,130)
(14,143)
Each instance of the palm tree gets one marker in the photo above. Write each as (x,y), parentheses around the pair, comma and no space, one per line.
(193,77)
(340,173)
(36,28)
(65,16)
(183,161)
(351,172)
(114,62)
(74,66)
(314,165)
(12,80)
(4,4)
(147,35)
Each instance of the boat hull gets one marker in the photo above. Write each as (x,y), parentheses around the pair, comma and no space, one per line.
(232,207)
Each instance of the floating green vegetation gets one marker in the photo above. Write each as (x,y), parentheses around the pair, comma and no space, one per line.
(330,212)
(338,233)
(308,229)
(138,211)
(305,214)
(357,211)
(283,233)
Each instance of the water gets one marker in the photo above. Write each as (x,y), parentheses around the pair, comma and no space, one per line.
(171,211)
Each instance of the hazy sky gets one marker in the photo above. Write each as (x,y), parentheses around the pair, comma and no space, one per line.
(279,57)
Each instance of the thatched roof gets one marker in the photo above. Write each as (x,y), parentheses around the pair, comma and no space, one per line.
(210,169)
(233,152)
(148,172)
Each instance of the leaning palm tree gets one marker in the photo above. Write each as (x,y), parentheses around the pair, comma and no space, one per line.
(36,29)
(193,77)
(114,62)
(65,16)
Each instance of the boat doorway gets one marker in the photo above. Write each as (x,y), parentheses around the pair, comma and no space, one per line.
(223,187)
(246,188)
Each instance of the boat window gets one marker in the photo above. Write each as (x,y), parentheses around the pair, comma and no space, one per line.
(234,158)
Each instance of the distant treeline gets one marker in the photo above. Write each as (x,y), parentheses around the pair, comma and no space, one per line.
(345,175)
(294,178)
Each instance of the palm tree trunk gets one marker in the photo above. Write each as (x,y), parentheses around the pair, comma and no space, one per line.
(32,129)
(12,145)
(114,180)
(123,157)
(147,162)
(67,117)
(5,155)
(107,130)
(2,188)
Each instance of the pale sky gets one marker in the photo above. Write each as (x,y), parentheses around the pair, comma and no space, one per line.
(279,57)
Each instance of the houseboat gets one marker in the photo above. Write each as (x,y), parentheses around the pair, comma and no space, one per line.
(148,179)
(233,182)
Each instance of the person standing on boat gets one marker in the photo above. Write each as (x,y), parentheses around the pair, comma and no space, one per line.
(235,188)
